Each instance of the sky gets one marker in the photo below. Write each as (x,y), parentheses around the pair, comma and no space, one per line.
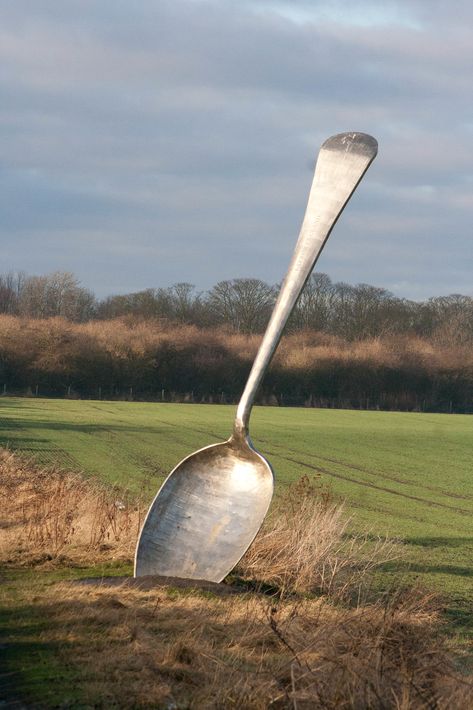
(148,142)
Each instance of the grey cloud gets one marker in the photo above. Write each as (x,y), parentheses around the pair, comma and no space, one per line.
(162,135)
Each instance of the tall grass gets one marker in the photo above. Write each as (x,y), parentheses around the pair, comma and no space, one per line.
(159,648)
(49,515)
(304,546)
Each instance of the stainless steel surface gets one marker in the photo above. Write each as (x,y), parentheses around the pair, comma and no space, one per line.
(211,506)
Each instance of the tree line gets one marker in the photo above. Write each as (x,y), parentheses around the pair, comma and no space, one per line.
(153,359)
(243,305)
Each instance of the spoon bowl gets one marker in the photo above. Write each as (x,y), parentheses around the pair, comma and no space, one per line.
(212,504)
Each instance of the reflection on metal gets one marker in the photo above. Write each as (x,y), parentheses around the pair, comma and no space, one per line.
(211,506)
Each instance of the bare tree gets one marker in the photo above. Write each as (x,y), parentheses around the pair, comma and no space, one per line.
(244,304)
(313,308)
(179,303)
(452,318)
(370,310)
(56,294)
(366,311)
(186,304)
(11,285)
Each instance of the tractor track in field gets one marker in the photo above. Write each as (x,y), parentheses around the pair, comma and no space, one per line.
(385,489)
(350,467)
(51,455)
(361,469)
(405,516)
(337,462)
(366,484)
(295,459)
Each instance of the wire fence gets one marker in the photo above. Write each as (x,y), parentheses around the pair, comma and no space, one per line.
(403,402)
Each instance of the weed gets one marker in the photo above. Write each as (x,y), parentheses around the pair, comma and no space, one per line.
(303,545)
(50,515)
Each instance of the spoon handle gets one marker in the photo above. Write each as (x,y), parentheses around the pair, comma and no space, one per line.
(343,160)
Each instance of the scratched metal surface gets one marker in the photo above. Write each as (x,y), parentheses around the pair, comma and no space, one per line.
(211,505)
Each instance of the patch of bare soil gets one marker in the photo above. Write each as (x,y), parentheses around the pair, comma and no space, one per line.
(156,581)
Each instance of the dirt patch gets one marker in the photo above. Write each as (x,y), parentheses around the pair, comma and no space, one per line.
(153,582)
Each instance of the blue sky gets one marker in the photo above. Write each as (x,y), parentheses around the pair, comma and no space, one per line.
(148,142)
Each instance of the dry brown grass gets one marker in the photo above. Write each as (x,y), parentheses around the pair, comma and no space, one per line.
(164,649)
(54,516)
(304,545)
(161,647)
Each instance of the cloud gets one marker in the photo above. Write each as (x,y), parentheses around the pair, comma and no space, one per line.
(146,143)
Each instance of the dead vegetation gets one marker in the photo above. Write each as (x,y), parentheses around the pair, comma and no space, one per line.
(166,649)
(305,546)
(304,643)
(53,516)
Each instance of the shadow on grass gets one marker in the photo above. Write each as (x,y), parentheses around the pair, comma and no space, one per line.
(30,668)
(420,568)
(84,428)
(457,610)
(441,541)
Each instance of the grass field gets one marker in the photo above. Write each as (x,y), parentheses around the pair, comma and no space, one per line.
(403,474)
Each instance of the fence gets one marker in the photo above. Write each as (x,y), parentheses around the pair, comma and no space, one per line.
(403,402)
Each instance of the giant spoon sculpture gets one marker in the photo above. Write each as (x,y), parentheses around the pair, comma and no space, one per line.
(212,504)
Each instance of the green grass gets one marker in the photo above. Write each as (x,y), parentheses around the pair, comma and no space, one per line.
(31,666)
(403,474)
